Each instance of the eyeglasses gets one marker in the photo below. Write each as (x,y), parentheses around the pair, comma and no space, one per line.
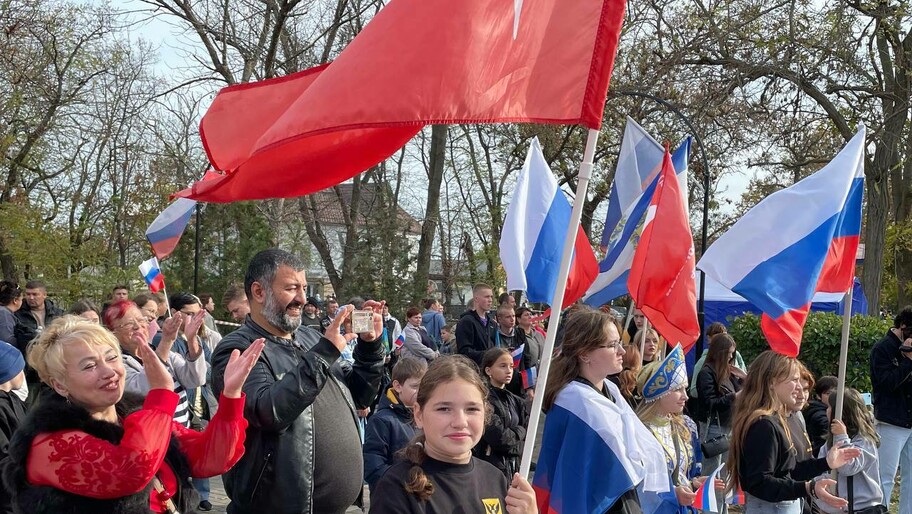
(611,345)
(133,323)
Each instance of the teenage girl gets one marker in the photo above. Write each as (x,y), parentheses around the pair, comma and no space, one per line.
(440,475)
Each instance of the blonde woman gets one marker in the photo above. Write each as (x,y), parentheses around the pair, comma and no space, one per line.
(88,448)
(663,386)
(653,346)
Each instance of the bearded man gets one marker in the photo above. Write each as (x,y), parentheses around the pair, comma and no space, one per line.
(303,448)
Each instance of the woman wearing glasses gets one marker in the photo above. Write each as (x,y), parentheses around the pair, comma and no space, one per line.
(124,319)
(580,400)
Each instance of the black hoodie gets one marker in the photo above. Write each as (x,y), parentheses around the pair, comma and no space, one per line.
(472,337)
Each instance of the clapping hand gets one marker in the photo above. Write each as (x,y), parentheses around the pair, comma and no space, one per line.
(838,457)
(823,494)
(239,366)
(192,324)
(158,376)
(169,331)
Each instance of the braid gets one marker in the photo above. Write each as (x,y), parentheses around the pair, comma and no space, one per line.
(418,483)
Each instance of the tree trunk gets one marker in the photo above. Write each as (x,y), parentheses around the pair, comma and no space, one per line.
(432,212)
(874,232)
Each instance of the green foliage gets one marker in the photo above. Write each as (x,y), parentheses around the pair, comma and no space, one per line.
(820,345)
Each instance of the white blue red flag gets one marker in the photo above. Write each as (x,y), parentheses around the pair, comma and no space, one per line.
(795,242)
(706,494)
(165,232)
(532,241)
(517,356)
(639,164)
(151,273)
(593,451)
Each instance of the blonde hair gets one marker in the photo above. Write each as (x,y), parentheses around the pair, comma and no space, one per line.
(755,400)
(45,354)
(660,343)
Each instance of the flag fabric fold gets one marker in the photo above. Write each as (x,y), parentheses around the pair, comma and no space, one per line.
(151,273)
(165,232)
(794,243)
(661,279)
(417,62)
(593,450)
(639,164)
(534,230)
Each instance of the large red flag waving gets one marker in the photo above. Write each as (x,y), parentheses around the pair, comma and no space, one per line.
(661,279)
(417,62)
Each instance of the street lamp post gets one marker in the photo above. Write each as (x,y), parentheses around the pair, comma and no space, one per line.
(706,184)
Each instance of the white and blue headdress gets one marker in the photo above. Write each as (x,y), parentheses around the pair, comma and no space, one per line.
(669,375)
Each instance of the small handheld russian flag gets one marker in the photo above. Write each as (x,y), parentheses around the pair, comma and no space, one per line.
(517,356)
(399,341)
(706,494)
(735,497)
(152,274)
(529,377)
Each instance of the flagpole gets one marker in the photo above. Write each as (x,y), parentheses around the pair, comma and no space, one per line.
(557,300)
(844,351)
(643,340)
(629,316)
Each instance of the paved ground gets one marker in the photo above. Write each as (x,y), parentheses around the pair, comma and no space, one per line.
(220,501)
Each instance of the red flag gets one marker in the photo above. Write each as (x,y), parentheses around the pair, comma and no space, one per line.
(661,279)
(417,62)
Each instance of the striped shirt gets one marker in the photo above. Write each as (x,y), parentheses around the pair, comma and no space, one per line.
(182,412)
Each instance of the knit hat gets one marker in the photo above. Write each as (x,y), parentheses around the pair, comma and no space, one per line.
(11,362)
(312,301)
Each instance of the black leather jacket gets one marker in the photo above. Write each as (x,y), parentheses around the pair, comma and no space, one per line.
(276,472)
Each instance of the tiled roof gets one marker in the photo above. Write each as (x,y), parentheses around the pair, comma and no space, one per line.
(329,209)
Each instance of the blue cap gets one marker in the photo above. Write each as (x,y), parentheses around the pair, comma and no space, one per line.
(11,362)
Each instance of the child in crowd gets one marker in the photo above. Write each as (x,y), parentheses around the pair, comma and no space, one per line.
(859,480)
(391,428)
(502,442)
(448,340)
(12,407)
(440,475)
(815,416)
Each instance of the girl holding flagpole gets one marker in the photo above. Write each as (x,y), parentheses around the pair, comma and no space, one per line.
(861,477)
(663,386)
(439,474)
(761,458)
(505,431)
(591,428)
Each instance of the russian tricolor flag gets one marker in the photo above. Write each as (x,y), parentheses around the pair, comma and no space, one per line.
(593,450)
(706,495)
(399,341)
(152,274)
(517,356)
(529,377)
(165,232)
(795,242)
(532,241)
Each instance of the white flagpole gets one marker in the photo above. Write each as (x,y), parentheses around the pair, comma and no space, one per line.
(629,317)
(557,301)
(643,341)
(844,351)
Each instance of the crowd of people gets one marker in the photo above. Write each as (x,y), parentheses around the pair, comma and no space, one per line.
(133,406)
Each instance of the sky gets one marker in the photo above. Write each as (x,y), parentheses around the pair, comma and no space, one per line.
(173,49)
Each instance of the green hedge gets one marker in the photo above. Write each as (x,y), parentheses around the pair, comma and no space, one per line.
(820,347)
